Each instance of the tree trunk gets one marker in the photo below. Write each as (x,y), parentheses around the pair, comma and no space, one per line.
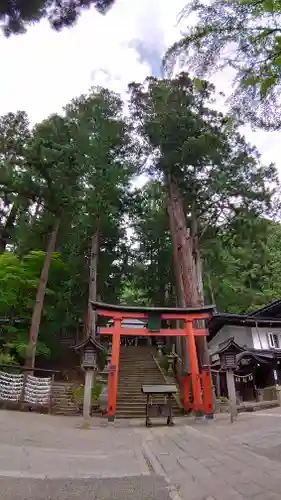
(178,275)
(37,311)
(190,295)
(181,344)
(202,344)
(184,246)
(91,330)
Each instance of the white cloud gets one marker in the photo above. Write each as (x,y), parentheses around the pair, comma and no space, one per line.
(43,70)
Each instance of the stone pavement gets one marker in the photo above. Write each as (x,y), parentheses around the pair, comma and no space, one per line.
(212,461)
(45,457)
(136,488)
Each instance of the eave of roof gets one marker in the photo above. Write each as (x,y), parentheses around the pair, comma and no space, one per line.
(89,340)
(270,310)
(219,320)
(227,345)
(98,306)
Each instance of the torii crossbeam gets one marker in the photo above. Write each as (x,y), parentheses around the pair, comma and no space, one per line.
(154,317)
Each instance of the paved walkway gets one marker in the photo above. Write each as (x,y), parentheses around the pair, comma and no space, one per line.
(45,457)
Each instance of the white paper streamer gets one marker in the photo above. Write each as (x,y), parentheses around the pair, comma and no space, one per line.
(11,386)
(244,378)
(37,390)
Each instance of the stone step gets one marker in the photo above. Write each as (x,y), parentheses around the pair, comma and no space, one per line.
(62,403)
(136,370)
(139,383)
(66,409)
(134,407)
(154,378)
(137,387)
(141,414)
(135,374)
(130,377)
(140,376)
(65,413)
(136,398)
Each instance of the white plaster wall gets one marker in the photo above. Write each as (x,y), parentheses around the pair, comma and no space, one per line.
(260,337)
(242,336)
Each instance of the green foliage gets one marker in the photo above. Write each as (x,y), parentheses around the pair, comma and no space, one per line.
(223,184)
(78,392)
(6,359)
(243,35)
(16,15)
(75,168)
(164,363)
(78,168)
(16,186)
(184,137)
(19,280)
(150,275)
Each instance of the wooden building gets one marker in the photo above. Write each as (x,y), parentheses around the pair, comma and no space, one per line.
(256,340)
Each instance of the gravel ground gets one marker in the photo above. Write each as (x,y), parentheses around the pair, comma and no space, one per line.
(132,488)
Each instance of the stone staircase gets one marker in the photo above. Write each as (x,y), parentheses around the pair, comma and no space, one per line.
(62,403)
(137,367)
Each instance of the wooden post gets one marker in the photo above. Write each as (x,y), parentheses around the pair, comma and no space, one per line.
(88,394)
(51,393)
(207,392)
(25,375)
(218,384)
(114,370)
(186,392)
(194,368)
(231,394)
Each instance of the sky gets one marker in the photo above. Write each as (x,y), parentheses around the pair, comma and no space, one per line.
(43,70)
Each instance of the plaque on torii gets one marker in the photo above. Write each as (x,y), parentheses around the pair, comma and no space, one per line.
(154,317)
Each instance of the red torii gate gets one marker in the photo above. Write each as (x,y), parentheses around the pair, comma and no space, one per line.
(154,316)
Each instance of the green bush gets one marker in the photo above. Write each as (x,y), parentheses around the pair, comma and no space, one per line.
(78,392)
(102,359)
(163,362)
(166,349)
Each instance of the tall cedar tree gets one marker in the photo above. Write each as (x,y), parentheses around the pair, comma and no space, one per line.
(208,169)
(244,36)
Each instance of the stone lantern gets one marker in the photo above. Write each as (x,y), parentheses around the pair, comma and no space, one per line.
(228,360)
(171,360)
(88,350)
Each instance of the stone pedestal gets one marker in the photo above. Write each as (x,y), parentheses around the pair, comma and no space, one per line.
(103,399)
(231,394)
(260,395)
(278,393)
(88,394)
(171,358)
